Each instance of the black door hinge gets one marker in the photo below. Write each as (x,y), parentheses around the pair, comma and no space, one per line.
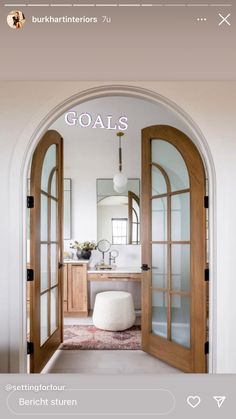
(30,274)
(206,348)
(30,202)
(206,201)
(30,348)
(145,267)
(207,274)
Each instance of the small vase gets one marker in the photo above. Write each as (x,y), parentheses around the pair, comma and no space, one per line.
(86,254)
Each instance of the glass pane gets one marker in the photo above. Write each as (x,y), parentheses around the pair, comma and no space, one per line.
(44,267)
(159,314)
(54,265)
(44,218)
(135,206)
(53,220)
(54,185)
(43,318)
(54,316)
(119,231)
(158,182)
(180,320)
(159,265)
(135,228)
(135,222)
(48,165)
(135,218)
(180,257)
(119,240)
(159,219)
(180,217)
(168,157)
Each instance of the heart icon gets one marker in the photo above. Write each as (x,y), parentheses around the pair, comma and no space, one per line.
(193,401)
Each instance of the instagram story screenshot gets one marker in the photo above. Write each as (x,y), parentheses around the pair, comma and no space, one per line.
(118,208)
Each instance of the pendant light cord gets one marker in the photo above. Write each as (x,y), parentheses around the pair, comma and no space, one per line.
(120,155)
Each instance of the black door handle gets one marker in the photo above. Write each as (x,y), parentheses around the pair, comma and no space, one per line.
(145,267)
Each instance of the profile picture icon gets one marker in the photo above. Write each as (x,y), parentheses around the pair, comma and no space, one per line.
(16,19)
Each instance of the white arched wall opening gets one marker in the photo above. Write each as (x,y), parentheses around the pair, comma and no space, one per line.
(18,171)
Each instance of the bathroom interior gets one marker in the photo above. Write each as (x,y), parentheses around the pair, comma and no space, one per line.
(108,216)
(102,215)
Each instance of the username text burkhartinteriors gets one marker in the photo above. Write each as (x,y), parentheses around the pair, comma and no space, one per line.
(64,19)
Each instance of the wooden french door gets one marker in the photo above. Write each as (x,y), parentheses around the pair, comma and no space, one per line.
(173,225)
(46,249)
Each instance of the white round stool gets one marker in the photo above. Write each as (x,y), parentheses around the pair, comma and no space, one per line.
(113,310)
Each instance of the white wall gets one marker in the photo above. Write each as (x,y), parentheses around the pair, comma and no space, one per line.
(210,104)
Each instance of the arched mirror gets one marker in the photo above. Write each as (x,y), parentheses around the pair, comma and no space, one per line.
(118,214)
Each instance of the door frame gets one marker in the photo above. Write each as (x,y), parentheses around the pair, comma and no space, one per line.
(18,170)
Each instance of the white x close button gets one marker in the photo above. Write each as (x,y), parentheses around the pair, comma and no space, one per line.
(224,19)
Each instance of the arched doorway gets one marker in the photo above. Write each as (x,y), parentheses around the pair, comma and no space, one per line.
(20,162)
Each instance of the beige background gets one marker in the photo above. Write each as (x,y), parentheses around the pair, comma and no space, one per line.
(142,43)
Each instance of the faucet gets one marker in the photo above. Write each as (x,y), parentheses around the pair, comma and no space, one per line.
(111,259)
(112,256)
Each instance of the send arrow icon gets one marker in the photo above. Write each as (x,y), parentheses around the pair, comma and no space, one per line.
(219,400)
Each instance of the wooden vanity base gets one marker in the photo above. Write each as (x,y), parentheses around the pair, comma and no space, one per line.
(76,283)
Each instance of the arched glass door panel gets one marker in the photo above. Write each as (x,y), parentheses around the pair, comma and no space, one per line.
(173,249)
(158,181)
(49,244)
(163,153)
(46,249)
(49,164)
(170,226)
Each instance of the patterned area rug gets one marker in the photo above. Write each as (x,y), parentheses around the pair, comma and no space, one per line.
(89,337)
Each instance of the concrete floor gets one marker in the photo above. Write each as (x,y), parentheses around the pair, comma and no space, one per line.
(106,362)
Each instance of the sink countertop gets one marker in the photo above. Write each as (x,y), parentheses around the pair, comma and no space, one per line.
(118,270)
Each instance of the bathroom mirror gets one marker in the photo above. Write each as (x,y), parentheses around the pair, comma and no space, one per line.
(118,215)
(67,208)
